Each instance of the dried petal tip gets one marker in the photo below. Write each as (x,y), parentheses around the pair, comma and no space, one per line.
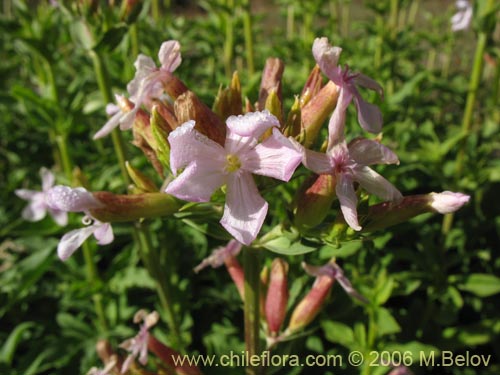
(448,201)
(219,255)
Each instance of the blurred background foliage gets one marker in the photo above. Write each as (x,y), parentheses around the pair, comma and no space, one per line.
(432,285)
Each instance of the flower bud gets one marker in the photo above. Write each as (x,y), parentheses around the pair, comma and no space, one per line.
(133,207)
(314,200)
(189,107)
(312,86)
(228,101)
(277,296)
(307,309)
(235,270)
(141,181)
(271,80)
(293,121)
(167,355)
(316,111)
(173,86)
(386,214)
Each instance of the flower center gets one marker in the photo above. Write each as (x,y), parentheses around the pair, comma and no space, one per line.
(233,163)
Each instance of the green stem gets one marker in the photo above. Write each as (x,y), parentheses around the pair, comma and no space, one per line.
(155,10)
(251,269)
(247,29)
(156,268)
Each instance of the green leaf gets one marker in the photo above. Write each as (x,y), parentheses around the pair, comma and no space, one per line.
(338,333)
(82,34)
(481,284)
(386,324)
(111,38)
(10,345)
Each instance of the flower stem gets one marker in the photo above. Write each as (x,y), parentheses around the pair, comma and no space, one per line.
(247,29)
(251,269)
(105,88)
(475,80)
(154,264)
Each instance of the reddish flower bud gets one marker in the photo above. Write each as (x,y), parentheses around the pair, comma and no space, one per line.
(277,296)
(228,101)
(271,81)
(312,86)
(167,355)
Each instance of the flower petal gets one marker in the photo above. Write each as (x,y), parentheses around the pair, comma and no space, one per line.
(144,66)
(252,124)
(275,157)
(348,200)
(448,201)
(219,255)
(65,198)
(26,194)
(369,115)
(375,184)
(198,181)
(109,126)
(73,240)
(187,145)
(368,152)
(336,125)
(36,209)
(369,83)
(327,58)
(245,210)
(104,233)
(47,178)
(60,217)
(170,55)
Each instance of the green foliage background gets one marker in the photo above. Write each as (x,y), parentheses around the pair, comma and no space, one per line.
(429,290)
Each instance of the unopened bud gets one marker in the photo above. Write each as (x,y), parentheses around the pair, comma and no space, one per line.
(277,296)
(316,111)
(171,358)
(133,207)
(386,214)
(237,274)
(160,134)
(228,101)
(141,181)
(172,85)
(314,201)
(293,121)
(189,107)
(312,86)
(271,80)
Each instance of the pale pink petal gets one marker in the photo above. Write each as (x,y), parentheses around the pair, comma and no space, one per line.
(369,83)
(36,209)
(448,201)
(275,157)
(245,209)
(111,109)
(104,233)
(219,255)
(327,58)
(170,55)
(26,194)
(73,240)
(336,125)
(369,115)
(47,178)
(375,184)
(65,198)
(348,200)
(109,126)
(144,66)
(198,181)
(126,121)
(252,124)
(368,152)
(127,363)
(318,162)
(60,217)
(187,144)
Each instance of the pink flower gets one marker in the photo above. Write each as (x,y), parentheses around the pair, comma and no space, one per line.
(207,166)
(462,19)
(138,345)
(105,371)
(146,85)
(220,255)
(369,115)
(68,199)
(37,208)
(448,201)
(349,164)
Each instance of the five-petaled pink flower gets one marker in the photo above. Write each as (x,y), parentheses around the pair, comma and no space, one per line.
(138,345)
(369,115)
(146,85)
(208,166)
(37,208)
(349,164)
(68,199)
